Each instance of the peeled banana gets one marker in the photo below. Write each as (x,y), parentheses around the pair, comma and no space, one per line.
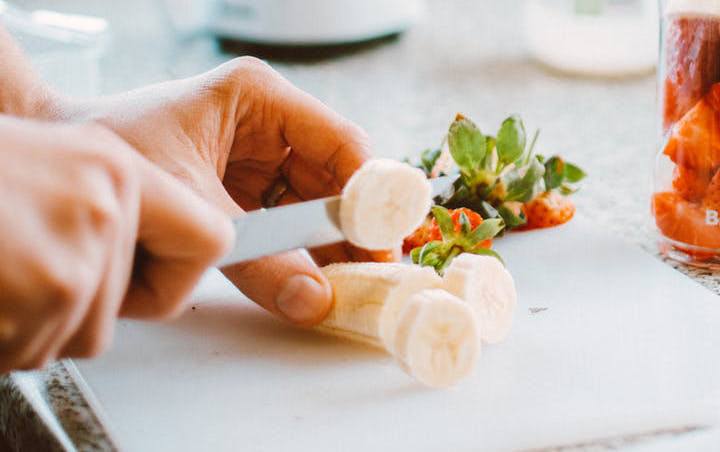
(368,298)
(399,307)
(382,203)
(437,339)
(484,283)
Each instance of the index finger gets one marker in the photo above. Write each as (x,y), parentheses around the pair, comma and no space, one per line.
(179,237)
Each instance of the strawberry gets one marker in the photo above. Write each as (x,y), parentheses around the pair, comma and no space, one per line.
(460,231)
(694,141)
(420,237)
(684,221)
(430,230)
(689,183)
(548,210)
(711,200)
(691,67)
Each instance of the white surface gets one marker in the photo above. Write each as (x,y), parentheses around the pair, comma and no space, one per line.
(626,345)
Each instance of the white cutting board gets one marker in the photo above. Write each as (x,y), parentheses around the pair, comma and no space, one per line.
(626,345)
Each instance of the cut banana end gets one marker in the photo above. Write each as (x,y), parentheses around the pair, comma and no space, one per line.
(484,283)
(384,202)
(369,296)
(437,339)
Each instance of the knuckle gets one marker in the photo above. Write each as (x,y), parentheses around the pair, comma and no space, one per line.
(245,74)
(248,64)
(69,288)
(106,187)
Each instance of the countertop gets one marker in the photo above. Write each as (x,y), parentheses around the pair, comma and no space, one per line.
(467,56)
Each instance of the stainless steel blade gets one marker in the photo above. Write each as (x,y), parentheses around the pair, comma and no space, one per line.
(303,225)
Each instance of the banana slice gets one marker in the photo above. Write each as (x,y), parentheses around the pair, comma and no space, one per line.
(369,296)
(437,339)
(485,283)
(382,203)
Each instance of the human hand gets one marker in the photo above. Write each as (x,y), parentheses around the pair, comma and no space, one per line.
(91,230)
(234,135)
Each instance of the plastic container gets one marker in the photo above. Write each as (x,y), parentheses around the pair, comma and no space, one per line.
(65,49)
(686,199)
(602,38)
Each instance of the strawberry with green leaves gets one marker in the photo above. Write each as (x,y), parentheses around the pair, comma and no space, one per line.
(500,174)
(454,241)
(548,210)
(430,230)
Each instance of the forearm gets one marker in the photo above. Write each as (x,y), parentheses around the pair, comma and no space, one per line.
(22,92)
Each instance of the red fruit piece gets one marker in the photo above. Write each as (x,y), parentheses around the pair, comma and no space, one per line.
(684,221)
(475,219)
(689,183)
(695,140)
(711,200)
(548,210)
(430,231)
(692,64)
(418,238)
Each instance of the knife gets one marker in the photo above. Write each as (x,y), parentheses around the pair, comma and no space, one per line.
(303,225)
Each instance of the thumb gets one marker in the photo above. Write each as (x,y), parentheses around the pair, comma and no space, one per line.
(289,285)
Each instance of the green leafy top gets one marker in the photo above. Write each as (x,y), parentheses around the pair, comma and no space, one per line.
(438,254)
(498,173)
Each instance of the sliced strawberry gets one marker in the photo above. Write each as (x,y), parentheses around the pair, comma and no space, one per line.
(684,221)
(695,140)
(711,200)
(691,64)
(690,183)
(430,231)
(548,210)
(420,237)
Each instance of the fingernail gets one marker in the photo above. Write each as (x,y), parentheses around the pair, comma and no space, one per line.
(303,300)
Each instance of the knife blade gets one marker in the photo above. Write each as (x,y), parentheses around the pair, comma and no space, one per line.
(303,225)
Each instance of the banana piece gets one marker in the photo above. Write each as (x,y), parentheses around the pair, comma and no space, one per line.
(382,203)
(437,339)
(399,307)
(369,296)
(484,283)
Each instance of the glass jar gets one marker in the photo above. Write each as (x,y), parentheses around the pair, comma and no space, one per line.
(686,198)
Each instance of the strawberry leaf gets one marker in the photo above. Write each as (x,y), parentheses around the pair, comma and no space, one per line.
(554,173)
(524,188)
(511,219)
(445,222)
(428,158)
(429,255)
(567,190)
(468,146)
(573,174)
(465,226)
(488,252)
(511,141)
(485,230)
(415,254)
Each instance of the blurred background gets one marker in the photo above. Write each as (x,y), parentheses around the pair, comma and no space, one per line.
(580,70)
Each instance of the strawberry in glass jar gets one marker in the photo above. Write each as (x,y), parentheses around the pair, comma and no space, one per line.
(686,202)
